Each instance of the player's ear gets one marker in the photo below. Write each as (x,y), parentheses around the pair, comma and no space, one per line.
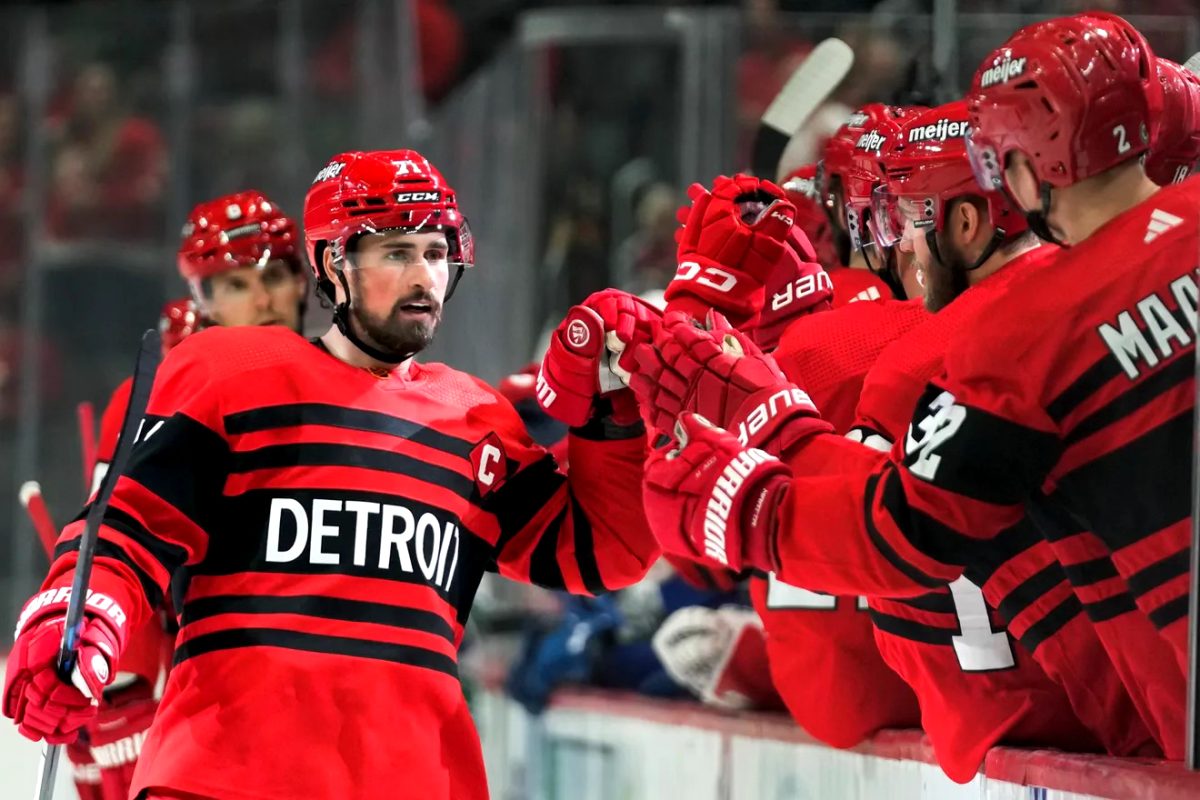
(966,220)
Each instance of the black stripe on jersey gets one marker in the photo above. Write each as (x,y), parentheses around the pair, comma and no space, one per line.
(1150,578)
(315,643)
(1095,377)
(544,569)
(1053,518)
(1170,611)
(1087,573)
(170,555)
(1052,623)
(105,549)
(295,414)
(585,549)
(543,562)
(938,602)
(928,535)
(314,454)
(985,457)
(1137,489)
(522,496)
(899,511)
(1161,381)
(913,631)
(1110,607)
(185,464)
(312,605)
(1030,590)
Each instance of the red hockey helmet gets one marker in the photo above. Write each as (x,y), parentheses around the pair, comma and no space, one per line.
(178,320)
(928,172)
(800,185)
(1175,140)
(878,141)
(1075,95)
(238,230)
(371,192)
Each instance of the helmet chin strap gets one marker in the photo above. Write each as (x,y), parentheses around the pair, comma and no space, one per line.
(1038,222)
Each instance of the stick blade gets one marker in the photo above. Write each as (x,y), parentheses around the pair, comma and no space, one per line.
(810,85)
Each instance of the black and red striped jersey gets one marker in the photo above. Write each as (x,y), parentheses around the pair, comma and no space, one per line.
(982,675)
(1081,389)
(335,524)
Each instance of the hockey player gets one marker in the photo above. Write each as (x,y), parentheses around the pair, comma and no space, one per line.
(336,503)
(240,257)
(852,152)
(1082,390)
(978,686)
(822,654)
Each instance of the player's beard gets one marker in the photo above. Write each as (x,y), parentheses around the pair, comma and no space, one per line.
(394,333)
(945,278)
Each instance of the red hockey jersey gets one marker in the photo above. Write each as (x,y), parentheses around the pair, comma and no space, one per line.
(1082,390)
(336,525)
(978,687)
(853,285)
(822,649)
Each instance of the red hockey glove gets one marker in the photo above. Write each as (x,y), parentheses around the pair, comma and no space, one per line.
(42,705)
(720,655)
(710,499)
(796,288)
(731,241)
(578,366)
(117,733)
(719,374)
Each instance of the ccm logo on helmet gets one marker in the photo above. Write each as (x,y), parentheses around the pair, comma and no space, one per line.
(871,141)
(331,170)
(1005,71)
(418,197)
(939,131)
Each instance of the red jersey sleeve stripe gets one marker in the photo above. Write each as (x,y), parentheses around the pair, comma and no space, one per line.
(110,550)
(523,497)
(1178,372)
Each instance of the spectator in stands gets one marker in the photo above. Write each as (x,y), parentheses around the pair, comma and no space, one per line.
(109,167)
(12,182)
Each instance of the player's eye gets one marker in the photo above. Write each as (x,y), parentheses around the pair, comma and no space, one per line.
(274,275)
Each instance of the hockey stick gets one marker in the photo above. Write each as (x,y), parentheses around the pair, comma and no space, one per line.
(35,505)
(810,85)
(131,429)
(85,413)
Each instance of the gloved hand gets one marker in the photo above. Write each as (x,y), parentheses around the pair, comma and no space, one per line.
(718,654)
(733,238)
(117,733)
(578,366)
(721,375)
(795,289)
(41,703)
(710,499)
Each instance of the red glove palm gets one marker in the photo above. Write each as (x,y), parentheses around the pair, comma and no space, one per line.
(719,374)
(578,366)
(42,705)
(710,499)
(731,241)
